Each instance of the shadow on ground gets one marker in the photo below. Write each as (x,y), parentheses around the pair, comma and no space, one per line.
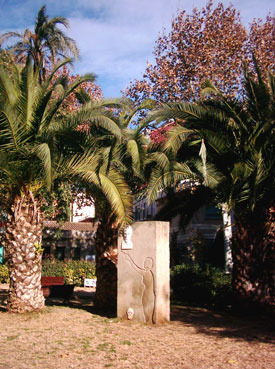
(224,324)
(3,298)
(82,299)
(208,322)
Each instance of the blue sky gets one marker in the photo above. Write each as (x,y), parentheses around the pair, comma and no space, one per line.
(116,37)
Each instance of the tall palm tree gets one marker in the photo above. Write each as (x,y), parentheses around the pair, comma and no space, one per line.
(45,44)
(36,149)
(122,144)
(128,154)
(238,138)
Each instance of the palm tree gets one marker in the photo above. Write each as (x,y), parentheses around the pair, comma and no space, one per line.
(165,173)
(37,150)
(238,138)
(123,147)
(127,153)
(45,44)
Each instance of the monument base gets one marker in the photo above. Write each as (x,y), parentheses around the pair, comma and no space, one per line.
(143,273)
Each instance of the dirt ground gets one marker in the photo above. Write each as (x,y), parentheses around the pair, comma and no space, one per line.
(72,335)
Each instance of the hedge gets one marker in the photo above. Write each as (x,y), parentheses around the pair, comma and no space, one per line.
(4,274)
(201,286)
(74,271)
(190,284)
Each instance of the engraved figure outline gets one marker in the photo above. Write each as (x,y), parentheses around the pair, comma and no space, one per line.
(148,281)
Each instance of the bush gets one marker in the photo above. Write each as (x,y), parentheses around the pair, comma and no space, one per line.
(202,286)
(4,274)
(74,271)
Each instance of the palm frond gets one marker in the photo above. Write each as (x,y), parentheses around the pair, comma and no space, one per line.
(159,158)
(112,184)
(5,36)
(184,203)
(8,90)
(177,110)
(133,150)
(12,132)
(160,179)
(176,136)
(44,154)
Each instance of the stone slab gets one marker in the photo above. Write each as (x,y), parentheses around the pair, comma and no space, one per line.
(143,273)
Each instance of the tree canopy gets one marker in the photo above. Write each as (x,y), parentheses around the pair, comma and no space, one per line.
(210,43)
(228,146)
(44,44)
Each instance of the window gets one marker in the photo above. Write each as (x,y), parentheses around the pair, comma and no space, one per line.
(76,253)
(212,212)
(136,214)
(46,252)
(153,210)
(60,253)
(144,212)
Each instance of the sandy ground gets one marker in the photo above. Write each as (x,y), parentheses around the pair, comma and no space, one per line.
(74,336)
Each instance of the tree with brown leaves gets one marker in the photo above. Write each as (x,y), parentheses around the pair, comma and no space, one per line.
(211,43)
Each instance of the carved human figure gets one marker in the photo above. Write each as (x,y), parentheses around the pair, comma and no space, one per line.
(148,296)
(127,242)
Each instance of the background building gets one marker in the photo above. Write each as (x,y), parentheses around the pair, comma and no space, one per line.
(74,239)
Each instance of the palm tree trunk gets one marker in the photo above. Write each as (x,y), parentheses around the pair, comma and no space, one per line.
(106,263)
(253,252)
(23,240)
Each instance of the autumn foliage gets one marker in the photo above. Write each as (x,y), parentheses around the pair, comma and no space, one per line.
(211,43)
(71,103)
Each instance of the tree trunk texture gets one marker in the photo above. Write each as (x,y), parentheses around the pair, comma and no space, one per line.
(106,264)
(253,252)
(23,244)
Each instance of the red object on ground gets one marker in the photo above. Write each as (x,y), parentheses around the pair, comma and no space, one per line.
(48,282)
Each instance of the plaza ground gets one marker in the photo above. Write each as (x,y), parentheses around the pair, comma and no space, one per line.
(73,335)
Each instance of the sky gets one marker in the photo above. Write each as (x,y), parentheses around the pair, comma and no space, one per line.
(116,38)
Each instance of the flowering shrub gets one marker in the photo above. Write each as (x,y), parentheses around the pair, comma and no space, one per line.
(159,135)
(74,271)
(4,274)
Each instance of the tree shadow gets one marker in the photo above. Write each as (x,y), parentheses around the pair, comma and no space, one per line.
(211,323)
(3,298)
(81,300)
(224,324)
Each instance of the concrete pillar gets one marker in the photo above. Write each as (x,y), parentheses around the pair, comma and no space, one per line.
(143,273)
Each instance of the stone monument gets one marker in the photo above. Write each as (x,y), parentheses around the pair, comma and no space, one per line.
(143,273)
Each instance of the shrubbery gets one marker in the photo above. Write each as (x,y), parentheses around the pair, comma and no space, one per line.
(202,286)
(192,284)
(4,274)
(74,271)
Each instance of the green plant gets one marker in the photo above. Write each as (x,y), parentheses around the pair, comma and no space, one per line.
(229,146)
(74,271)
(203,286)
(38,248)
(4,274)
